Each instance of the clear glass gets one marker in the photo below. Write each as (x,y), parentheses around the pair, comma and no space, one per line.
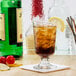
(44,36)
(73,45)
(61,10)
(73,41)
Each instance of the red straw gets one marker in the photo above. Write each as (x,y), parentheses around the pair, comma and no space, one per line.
(37,8)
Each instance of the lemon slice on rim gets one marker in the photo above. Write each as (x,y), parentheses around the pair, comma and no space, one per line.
(58,22)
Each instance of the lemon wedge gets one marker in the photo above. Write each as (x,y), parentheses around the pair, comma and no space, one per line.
(4,67)
(14,65)
(58,22)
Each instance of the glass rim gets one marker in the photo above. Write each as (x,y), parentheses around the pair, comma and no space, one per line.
(44,23)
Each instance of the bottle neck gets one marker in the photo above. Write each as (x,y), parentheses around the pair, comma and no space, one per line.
(59,2)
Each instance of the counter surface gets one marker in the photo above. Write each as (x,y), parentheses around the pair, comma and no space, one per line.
(33,59)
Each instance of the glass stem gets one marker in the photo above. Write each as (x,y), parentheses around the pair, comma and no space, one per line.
(44,63)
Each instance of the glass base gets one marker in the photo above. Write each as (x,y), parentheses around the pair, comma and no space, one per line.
(44,67)
(44,64)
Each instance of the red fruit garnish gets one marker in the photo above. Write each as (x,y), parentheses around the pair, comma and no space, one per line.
(37,8)
(2,60)
(10,59)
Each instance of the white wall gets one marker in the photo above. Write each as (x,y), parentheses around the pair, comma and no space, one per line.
(72,6)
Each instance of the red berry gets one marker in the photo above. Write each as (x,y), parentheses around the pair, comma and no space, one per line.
(2,60)
(10,59)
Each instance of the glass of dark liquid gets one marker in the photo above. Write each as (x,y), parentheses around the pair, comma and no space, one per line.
(45,37)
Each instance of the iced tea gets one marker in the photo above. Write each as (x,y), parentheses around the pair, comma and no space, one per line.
(45,37)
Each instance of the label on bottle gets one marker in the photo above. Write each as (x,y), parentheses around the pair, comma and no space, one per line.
(19,25)
(2,27)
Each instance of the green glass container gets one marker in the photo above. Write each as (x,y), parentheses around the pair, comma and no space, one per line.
(11,33)
(0,7)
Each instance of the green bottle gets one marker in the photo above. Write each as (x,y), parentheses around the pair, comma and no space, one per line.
(11,28)
(0,7)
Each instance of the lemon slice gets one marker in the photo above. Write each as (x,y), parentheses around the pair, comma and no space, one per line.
(14,65)
(3,67)
(58,22)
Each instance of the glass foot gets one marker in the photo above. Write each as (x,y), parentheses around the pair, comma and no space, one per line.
(44,67)
(44,64)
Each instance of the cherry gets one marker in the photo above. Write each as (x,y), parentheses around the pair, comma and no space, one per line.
(10,59)
(2,60)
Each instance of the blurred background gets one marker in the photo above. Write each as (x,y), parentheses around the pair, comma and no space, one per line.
(27,8)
